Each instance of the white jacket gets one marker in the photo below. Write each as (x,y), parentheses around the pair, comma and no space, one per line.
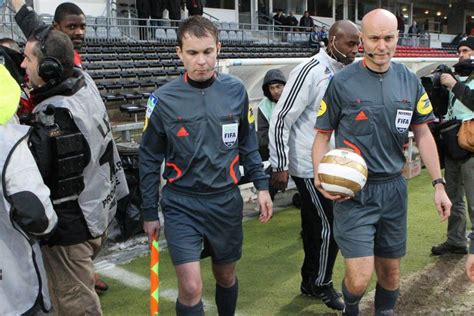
(26,213)
(292,125)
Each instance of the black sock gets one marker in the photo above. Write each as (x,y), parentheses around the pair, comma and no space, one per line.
(226,299)
(385,300)
(186,310)
(351,301)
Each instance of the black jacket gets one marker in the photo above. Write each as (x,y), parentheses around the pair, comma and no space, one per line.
(306,21)
(271,77)
(464,94)
(72,228)
(194,7)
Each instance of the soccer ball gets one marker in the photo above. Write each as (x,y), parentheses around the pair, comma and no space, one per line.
(342,172)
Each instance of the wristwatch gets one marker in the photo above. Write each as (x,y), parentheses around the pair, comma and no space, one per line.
(439,180)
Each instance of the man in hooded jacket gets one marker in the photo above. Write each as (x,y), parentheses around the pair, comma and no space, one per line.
(272,87)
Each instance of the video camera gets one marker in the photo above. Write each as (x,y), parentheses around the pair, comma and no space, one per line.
(435,76)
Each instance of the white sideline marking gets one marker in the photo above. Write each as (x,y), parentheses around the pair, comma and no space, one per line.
(128,278)
(131,279)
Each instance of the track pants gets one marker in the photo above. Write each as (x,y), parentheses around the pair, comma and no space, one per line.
(320,249)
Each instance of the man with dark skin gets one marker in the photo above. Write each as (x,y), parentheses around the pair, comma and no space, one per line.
(68,18)
(291,136)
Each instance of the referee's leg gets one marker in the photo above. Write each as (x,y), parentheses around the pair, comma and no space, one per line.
(227,288)
(189,289)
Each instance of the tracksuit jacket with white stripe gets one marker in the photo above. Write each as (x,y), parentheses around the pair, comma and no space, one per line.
(295,115)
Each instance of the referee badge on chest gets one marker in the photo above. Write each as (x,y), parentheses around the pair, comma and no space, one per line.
(230,134)
(402,121)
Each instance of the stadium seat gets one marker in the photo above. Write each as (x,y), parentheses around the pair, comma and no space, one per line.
(160,34)
(133,109)
(223,36)
(115,32)
(171,35)
(101,32)
(101,20)
(232,36)
(248,37)
(90,20)
(90,32)
(225,26)
(296,37)
(240,36)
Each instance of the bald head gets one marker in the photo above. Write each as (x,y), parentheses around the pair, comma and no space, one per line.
(343,27)
(343,41)
(379,38)
(380,19)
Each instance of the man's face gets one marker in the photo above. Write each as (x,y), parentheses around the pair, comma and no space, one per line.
(73,26)
(380,43)
(465,52)
(347,44)
(275,90)
(199,56)
(30,64)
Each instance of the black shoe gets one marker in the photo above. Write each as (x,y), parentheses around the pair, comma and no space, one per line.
(330,297)
(306,288)
(445,248)
(327,294)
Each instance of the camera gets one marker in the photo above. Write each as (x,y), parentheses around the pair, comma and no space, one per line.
(465,67)
(435,77)
(437,93)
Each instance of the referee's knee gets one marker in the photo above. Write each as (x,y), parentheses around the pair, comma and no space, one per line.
(190,291)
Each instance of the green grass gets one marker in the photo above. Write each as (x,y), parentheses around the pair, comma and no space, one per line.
(269,271)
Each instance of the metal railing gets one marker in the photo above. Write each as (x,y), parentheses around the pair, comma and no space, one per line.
(414,40)
(164,30)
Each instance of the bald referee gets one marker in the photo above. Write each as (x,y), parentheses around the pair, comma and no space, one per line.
(370,106)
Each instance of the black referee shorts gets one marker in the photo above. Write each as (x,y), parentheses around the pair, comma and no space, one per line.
(195,221)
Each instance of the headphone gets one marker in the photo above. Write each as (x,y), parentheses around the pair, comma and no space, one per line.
(334,46)
(50,68)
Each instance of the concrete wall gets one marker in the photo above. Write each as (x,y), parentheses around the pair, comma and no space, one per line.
(90,7)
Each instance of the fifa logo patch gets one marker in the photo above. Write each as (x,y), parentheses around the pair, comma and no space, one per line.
(230,134)
(403,120)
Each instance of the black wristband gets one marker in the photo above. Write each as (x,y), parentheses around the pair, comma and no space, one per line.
(439,180)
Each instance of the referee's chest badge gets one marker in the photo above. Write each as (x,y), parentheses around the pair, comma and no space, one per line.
(402,121)
(230,134)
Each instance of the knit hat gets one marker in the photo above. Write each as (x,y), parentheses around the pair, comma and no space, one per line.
(10,93)
(468,41)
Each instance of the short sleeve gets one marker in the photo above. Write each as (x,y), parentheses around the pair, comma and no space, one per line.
(423,112)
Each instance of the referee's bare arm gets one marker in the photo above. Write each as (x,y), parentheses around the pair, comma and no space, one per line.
(429,155)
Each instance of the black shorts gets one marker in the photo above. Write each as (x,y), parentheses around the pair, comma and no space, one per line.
(195,221)
(374,222)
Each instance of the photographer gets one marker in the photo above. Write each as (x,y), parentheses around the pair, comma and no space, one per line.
(76,154)
(459,163)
